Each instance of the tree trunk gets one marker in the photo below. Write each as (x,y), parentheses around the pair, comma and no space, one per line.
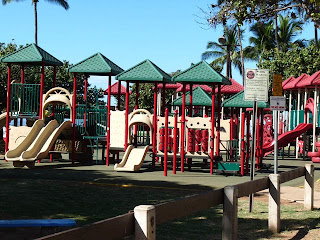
(35,22)
(276,31)
(316,36)
(228,62)
(241,54)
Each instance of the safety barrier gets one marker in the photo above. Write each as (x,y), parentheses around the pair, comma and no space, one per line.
(143,220)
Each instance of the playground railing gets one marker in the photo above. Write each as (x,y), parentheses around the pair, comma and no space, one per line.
(24,99)
(143,220)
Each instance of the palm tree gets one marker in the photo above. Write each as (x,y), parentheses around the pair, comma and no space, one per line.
(288,29)
(228,50)
(263,39)
(62,3)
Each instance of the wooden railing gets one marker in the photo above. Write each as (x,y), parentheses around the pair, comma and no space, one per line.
(143,220)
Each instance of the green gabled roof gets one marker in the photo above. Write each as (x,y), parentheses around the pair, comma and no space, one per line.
(33,55)
(145,71)
(239,102)
(199,98)
(201,72)
(97,64)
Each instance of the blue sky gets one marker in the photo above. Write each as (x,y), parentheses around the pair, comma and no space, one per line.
(125,31)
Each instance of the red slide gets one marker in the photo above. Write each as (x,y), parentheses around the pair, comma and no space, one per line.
(287,137)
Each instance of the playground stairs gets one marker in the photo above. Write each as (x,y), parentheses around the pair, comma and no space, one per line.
(315,156)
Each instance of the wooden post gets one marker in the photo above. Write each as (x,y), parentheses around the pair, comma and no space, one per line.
(309,187)
(274,203)
(230,213)
(145,222)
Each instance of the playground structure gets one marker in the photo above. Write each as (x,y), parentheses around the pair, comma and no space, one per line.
(197,129)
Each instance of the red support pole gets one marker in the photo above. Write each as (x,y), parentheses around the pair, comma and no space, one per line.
(257,139)
(212,129)
(166,143)
(136,107)
(119,95)
(8,107)
(190,101)
(248,142)
(219,119)
(127,117)
(231,133)
(108,120)
(261,136)
(41,90)
(154,139)
(53,108)
(183,125)
(163,98)
(242,143)
(22,74)
(175,142)
(74,105)
(85,99)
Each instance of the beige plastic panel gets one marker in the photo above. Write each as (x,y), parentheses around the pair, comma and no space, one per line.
(45,140)
(57,94)
(140,119)
(117,129)
(27,139)
(132,160)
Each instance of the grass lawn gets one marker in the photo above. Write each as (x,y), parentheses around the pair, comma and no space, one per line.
(87,203)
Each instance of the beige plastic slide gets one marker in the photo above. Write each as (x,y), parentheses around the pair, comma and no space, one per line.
(14,154)
(132,159)
(40,148)
(3,119)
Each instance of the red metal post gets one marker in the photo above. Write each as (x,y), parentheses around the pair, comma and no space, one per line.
(242,143)
(183,125)
(258,140)
(212,128)
(231,133)
(136,107)
(248,142)
(53,108)
(22,73)
(163,98)
(261,136)
(41,90)
(190,101)
(85,100)
(154,139)
(175,142)
(166,143)
(127,117)
(119,95)
(8,107)
(108,120)
(74,105)
(219,119)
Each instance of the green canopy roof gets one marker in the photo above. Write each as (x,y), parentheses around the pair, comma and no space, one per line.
(31,55)
(238,101)
(145,71)
(97,64)
(201,72)
(199,98)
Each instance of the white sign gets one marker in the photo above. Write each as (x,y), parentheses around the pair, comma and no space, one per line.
(256,85)
(278,103)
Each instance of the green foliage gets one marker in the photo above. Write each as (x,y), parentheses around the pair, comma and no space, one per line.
(295,62)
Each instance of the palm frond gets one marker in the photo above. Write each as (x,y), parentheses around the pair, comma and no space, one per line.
(62,3)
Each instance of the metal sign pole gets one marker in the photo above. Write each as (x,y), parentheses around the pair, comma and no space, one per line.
(253,149)
(275,112)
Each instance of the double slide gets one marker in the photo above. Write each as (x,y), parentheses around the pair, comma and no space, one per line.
(287,137)
(38,142)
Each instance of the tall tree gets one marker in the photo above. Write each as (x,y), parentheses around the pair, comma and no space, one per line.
(262,40)
(62,3)
(224,51)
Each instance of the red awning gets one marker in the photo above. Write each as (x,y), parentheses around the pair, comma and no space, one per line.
(234,88)
(293,84)
(114,89)
(204,87)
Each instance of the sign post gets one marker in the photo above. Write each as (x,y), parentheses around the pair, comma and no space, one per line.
(276,104)
(255,89)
